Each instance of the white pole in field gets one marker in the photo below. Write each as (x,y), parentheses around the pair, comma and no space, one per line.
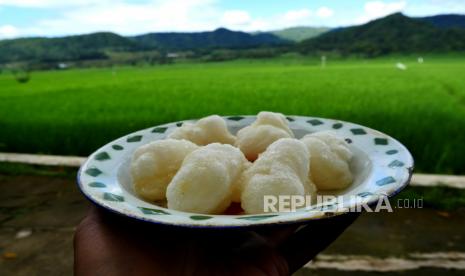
(323,61)
(401,66)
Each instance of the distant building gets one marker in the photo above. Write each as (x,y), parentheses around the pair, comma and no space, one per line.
(173,55)
(62,65)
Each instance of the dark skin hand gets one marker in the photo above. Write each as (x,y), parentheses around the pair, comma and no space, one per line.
(108,244)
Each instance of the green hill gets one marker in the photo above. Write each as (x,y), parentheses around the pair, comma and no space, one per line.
(446,20)
(79,47)
(299,33)
(220,38)
(395,33)
(99,45)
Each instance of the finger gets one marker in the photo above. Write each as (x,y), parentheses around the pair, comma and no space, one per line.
(310,240)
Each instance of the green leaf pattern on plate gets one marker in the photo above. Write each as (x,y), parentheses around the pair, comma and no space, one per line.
(97,185)
(315,122)
(235,118)
(113,197)
(102,156)
(150,211)
(257,218)
(290,119)
(337,125)
(159,130)
(117,147)
(93,172)
(364,194)
(381,141)
(199,217)
(135,138)
(358,131)
(385,181)
(396,164)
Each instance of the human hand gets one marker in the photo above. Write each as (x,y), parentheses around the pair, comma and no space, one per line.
(108,244)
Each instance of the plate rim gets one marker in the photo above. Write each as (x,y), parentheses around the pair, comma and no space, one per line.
(245,223)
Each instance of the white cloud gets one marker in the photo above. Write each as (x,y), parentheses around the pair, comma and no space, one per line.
(324,12)
(433,7)
(302,17)
(377,9)
(380,8)
(164,15)
(161,15)
(453,3)
(126,17)
(236,18)
(297,15)
(47,3)
(8,31)
(123,17)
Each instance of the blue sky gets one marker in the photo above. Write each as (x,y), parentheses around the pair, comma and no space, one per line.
(63,17)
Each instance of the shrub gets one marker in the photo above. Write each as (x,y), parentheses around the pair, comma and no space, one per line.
(21,75)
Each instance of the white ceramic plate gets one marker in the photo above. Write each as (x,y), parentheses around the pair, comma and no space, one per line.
(381,165)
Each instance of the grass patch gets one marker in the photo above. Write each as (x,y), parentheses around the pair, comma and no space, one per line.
(26,169)
(439,197)
(74,112)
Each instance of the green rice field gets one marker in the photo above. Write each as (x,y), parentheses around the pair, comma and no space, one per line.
(74,112)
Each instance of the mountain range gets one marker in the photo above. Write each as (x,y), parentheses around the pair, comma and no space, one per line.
(97,45)
(79,47)
(300,33)
(445,20)
(395,33)
(219,38)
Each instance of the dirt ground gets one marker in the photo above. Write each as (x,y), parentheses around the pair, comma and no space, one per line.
(38,215)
